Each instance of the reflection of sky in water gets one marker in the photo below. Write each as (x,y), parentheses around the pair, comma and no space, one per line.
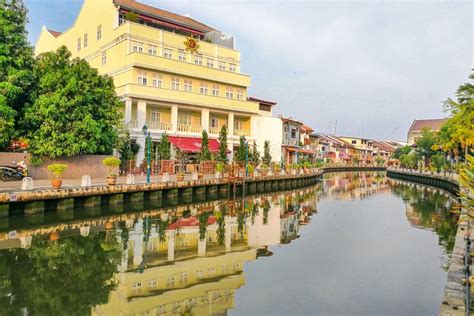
(362,254)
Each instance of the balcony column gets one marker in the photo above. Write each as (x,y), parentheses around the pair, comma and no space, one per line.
(205,119)
(228,233)
(202,247)
(174,118)
(230,125)
(170,234)
(141,119)
(128,111)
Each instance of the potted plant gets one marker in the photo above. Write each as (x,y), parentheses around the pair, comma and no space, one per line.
(219,169)
(180,176)
(250,169)
(111,163)
(57,169)
(264,169)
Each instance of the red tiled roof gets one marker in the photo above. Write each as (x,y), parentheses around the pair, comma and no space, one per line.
(163,14)
(433,124)
(307,128)
(384,146)
(290,119)
(336,141)
(261,101)
(55,33)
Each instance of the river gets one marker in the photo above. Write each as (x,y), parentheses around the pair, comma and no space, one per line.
(355,244)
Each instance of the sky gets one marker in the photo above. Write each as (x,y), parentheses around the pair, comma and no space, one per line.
(365,69)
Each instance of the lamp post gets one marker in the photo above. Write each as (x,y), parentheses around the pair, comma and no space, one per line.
(146,132)
(246,158)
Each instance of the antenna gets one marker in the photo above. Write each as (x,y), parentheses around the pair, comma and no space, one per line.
(335,127)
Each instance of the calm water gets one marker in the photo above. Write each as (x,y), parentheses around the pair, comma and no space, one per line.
(357,244)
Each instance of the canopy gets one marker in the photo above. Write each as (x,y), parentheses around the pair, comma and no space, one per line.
(193,144)
(300,151)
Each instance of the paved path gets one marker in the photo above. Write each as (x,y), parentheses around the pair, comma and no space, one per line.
(46,183)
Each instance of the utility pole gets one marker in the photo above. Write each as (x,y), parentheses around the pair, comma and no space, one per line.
(335,127)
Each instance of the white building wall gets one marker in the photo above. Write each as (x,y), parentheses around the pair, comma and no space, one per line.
(271,129)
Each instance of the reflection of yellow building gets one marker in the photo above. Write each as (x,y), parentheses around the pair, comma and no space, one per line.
(173,73)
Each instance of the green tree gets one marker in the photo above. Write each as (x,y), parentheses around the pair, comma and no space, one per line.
(164,148)
(255,154)
(426,142)
(457,134)
(205,154)
(409,160)
(76,110)
(16,62)
(222,144)
(438,161)
(401,151)
(267,157)
(242,150)
(466,178)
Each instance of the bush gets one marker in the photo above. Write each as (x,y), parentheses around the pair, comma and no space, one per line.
(57,169)
(111,163)
(250,168)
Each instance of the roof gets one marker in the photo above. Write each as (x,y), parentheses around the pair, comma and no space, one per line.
(55,33)
(307,128)
(431,124)
(272,103)
(334,140)
(290,120)
(163,15)
(192,144)
(384,146)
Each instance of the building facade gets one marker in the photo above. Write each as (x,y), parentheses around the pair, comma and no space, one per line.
(174,74)
(418,125)
(291,139)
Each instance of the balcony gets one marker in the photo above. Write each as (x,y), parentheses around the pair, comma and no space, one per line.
(242,132)
(159,126)
(214,130)
(189,128)
(132,124)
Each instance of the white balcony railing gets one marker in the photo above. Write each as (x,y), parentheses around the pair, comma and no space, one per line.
(189,128)
(242,132)
(214,130)
(159,126)
(132,124)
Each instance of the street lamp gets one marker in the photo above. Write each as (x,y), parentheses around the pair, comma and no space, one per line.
(146,132)
(246,158)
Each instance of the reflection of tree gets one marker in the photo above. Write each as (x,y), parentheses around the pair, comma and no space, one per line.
(266,210)
(65,277)
(431,211)
(220,216)
(203,221)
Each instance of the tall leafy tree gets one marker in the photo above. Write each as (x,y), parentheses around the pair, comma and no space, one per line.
(76,110)
(405,150)
(426,143)
(164,148)
(16,62)
(267,157)
(242,150)
(223,144)
(255,154)
(205,154)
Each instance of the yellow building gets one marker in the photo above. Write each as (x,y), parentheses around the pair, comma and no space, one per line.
(173,73)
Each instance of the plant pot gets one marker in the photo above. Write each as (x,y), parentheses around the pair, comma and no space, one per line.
(111,180)
(109,225)
(56,183)
(180,177)
(54,236)
(264,172)
(200,175)
(218,175)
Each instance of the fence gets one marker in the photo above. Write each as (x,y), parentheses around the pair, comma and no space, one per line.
(77,165)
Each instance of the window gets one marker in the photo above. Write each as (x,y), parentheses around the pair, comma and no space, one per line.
(184,119)
(240,94)
(151,284)
(167,53)
(293,133)
(99,32)
(238,125)
(214,122)
(142,78)
(354,142)
(104,57)
(198,60)
(203,89)
(155,116)
(265,107)
(157,81)
(199,274)
(229,94)
(138,47)
(232,67)
(183,278)
(79,44)
(152,50)
(169,282)
(85,40)
(222,66)
(210,63)
(182,56)
(215,90)
(188,85)
(174,83)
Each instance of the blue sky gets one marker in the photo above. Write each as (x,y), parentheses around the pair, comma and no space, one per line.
(373,66)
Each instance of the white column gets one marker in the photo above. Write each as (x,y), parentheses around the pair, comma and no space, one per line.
(141,113)
(174,118)
(230,125)
(141,141)
(205,119)
(171,243)
(202,247)
(128,110)
(137,237)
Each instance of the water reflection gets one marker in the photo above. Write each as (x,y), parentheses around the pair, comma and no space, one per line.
(184,260)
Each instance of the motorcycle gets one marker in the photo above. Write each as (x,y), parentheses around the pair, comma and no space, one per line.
(11,173)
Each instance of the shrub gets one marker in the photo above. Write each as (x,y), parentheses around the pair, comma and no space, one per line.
(57,169)
(111,163)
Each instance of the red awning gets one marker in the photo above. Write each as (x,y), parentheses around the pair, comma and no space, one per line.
(192,144)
